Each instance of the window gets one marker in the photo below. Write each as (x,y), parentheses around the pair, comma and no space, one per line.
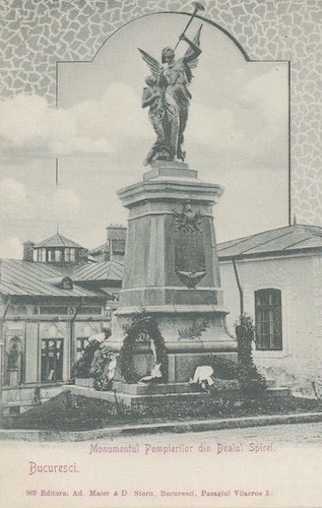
(55,309)
(51,360)
(17,310)
(67,255)
(90,310)
(43,256)
(50,255)
(118,246)
(72,256)
(58,255)
(268,320)
(81,343)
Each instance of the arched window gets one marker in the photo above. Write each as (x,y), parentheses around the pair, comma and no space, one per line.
(268,320)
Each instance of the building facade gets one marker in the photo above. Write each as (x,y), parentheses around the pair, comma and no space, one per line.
(59,295)
(51,302)
(280,276)
(114,247)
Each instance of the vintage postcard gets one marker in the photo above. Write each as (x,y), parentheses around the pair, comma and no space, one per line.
(160,253)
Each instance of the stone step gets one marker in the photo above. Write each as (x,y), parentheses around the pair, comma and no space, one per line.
(155,388)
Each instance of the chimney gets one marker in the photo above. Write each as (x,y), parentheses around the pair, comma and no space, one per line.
(28,251)
(116,240)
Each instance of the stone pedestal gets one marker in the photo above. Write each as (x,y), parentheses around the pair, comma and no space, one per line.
(172,270)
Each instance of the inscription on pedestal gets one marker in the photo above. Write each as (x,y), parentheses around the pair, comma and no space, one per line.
(190,260)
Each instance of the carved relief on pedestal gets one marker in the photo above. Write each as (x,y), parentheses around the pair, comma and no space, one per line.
(190,262)
(193,331)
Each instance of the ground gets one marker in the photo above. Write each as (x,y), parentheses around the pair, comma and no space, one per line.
(272,466)
(68,411)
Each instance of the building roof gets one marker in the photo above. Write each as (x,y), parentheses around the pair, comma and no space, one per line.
(106,270)
(21,278)
(101,248)
(280,241)
(58,240)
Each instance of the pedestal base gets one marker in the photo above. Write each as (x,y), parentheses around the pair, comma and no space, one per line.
(182,366)
(171,400)
(172,272)
(190,339)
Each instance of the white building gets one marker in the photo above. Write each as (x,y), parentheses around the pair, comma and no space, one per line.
(280,273)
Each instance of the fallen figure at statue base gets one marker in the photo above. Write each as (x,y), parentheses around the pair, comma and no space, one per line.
(154,377)
(204,376)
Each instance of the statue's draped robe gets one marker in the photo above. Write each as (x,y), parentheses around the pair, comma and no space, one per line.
(168,99)
(177,99)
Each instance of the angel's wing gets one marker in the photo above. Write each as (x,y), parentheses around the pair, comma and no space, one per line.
(152,63)
(190,59)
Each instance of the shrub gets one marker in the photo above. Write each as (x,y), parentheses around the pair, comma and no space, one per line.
(252,383)
(82,367)
(100,368)
(224,368)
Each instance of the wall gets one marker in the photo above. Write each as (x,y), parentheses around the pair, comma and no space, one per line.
(32,331)
(299,279)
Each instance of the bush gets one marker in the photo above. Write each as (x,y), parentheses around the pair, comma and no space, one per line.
(82,367)
(252,383)
(224,368)
(100,369)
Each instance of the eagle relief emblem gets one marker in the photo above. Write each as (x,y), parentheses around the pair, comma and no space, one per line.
(190,264)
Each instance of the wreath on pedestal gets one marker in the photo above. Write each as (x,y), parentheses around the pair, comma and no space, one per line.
(142,324)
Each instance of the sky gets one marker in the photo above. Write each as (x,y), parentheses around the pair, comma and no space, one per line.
(237,136)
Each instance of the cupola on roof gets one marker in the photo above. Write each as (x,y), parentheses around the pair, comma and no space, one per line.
(58,240)
(59,250)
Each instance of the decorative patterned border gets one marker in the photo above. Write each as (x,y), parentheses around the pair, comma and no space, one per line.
(35,34)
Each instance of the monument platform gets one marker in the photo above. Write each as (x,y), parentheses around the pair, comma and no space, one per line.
(158,399)
(175,399)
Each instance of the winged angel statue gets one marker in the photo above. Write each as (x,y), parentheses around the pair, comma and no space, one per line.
(167,96)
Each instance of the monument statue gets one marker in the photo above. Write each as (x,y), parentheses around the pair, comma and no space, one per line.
(167,96)
(171,317)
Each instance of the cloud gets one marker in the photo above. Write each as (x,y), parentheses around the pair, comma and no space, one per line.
(217,129)
(117,113)
(16,203)
(28,211)
(115,123)
(65,205)
(13,199)
(28,125)
(11,247)
(267,95)
(253,130)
